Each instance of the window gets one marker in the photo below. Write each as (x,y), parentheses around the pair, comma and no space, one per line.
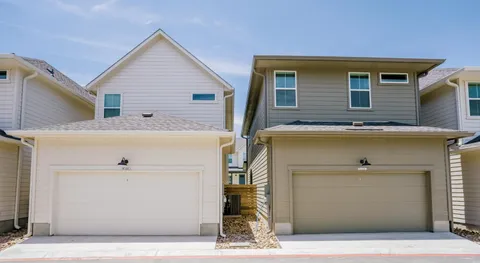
(285,89)
(393,78)
(203,96)
(359,89)
(244,156)
(241,179)
(474,98)
(3,75)
(111,105)
(230,159)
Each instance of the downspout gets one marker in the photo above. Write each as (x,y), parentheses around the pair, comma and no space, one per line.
(220,182)
(457,100)
(33,176)
(20,151)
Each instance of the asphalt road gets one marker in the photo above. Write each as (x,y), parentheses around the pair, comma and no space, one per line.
(300,259)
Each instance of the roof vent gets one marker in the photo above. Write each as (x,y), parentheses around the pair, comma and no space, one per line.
(358,124)
(147,114)
(50,70)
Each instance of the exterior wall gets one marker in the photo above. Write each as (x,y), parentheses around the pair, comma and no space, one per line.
(322,95)
(162,79)
(108,151)
(237,158)
(9,97)
(439,108)
(259,170)
(259,122)
(467,123)
(470,189)
(346,153)
(8,180)
(458,196)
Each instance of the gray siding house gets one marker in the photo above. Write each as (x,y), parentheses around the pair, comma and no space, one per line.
(32,93)
(450,98)
(335,145)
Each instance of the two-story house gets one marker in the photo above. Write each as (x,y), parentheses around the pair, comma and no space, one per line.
(237,163)
(450,98)
(153,162)
(32,93)
(335,146)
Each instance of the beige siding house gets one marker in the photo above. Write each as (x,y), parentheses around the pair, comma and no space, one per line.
(450,98)
(160,137)
(33,94)
(335,146)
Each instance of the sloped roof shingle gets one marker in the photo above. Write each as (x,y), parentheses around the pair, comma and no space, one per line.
(435,75)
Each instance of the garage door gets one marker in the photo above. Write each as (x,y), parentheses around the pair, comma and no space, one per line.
(126,203)
(349,203)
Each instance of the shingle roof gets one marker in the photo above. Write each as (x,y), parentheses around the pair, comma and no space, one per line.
(436,75)
(158,122)
(474,140)
(60,77)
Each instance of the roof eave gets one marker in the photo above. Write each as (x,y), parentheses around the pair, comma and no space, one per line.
(10,140)
(109,133)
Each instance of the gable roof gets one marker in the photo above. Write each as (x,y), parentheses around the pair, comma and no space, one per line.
(92,85)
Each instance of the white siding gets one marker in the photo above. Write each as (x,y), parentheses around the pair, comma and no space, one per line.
(470,190)
(161,78)
(458,197)
(7,95)
(8,180)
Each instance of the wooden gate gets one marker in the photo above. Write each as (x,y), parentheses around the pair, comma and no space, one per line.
(248,197)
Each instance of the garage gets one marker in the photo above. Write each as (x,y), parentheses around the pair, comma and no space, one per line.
(353,202)
(126,203)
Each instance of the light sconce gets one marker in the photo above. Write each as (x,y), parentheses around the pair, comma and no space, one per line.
(364,162)
(123,162)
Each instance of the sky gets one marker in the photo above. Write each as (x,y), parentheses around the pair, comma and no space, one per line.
(82,38)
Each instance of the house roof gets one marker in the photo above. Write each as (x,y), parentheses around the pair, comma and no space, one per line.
(368,129)
(418,65)
(92,85)
(435,75)
(43,68)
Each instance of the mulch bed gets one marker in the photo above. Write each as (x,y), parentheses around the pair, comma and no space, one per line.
(471,235)
(11,238)
(243,229)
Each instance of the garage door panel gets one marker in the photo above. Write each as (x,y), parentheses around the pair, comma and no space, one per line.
(341,203)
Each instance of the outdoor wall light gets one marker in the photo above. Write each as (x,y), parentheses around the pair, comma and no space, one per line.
(364,162)
(123,162)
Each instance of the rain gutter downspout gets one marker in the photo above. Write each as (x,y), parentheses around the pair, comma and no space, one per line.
(33,176)
(20,151)
(220,182)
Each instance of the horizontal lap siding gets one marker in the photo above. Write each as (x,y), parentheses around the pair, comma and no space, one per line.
(323,96)
(439,108)
(471,185)
(8,180)
(258,123)
(458,198)
(7,97)
(161,78)
(259,171)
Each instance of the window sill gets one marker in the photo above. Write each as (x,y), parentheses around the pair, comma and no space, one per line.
(393,84)
(359,109)
(203,102)
(285,108)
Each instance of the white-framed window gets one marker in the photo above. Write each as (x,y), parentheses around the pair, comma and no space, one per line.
(4,75)
(359,90)
(285,85)
(473,98)
(230,159)
(112,105)
(393,78)
(204,97)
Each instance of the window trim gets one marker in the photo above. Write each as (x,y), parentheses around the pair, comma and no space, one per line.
(467,96)
(203,101)
(121,103)
(275,88)
(393,83)
(8,75)
(350,91)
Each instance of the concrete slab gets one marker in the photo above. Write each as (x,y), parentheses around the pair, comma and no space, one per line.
(381,243)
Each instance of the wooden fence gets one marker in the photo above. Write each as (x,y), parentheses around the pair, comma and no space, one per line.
(248,197)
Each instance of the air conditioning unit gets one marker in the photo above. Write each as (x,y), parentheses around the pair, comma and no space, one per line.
(233,205)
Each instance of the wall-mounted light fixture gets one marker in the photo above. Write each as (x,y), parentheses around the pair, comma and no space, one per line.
(123,162)
(364,162)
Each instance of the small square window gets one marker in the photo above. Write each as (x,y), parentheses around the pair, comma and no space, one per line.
(112,105)
(3,75)
(203,96)
(393,78)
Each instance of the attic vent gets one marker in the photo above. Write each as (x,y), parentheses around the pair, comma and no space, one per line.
(358,124)
(50,70)
(147,114)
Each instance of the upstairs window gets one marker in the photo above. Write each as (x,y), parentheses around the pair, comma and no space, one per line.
(112,105)
(3,75)
(393,78)
(203,97)
(474,99)
(285,88)
(359,90)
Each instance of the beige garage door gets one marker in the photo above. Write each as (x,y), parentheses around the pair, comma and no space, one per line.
(349,203)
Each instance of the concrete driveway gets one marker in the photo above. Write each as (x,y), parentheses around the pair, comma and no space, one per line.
(381,243)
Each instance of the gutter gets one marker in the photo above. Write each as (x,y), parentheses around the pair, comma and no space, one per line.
(220,183)
(33,176)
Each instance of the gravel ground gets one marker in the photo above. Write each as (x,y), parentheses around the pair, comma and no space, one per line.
(468,234)
(11,238)
(242,229)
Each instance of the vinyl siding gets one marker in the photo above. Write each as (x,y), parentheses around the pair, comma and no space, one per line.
(7,97)
(323,96)
(259,170)
(8,180)
(439,108)
(458,197)
(258,123)
(471,186)
(161,78)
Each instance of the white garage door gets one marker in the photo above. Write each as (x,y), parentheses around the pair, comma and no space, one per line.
(126,203)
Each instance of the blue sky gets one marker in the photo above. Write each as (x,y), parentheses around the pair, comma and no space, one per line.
(83,37)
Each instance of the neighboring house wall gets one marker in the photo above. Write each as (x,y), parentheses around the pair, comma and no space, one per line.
(10,97)
(163,79)
(259,170)
(467,123)
(439,108)
(323,96)
(471,184)
(458,196)
(8,181)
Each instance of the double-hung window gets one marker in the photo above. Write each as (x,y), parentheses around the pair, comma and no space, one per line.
(285,88)
(112,105)
(359,90)
(474,98)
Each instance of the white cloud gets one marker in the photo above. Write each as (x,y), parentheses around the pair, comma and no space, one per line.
(227,67)
(197,21)
(93,43)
